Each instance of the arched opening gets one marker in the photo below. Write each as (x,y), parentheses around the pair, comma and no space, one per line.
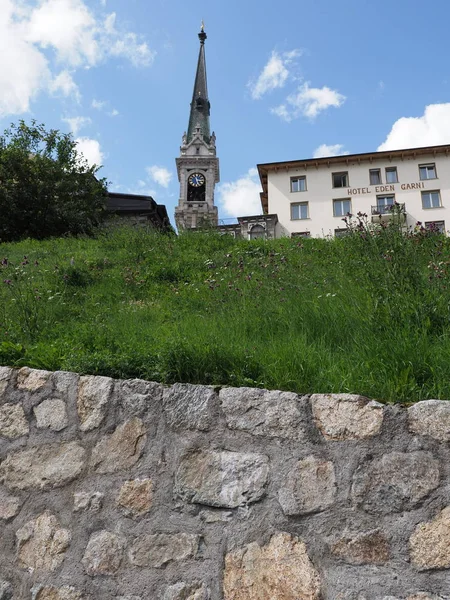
(257,232)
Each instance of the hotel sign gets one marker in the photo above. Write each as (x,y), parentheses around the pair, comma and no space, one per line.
(385,189)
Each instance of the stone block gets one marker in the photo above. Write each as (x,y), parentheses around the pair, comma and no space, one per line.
(43,467)
(346,416)
(5,377)
(9,505)
(222,478)
(42,544)
(157,550)
(6,590)
(52,593)
(120,450)
(369,547)
(32,380)
(136,496)
(92,501)
(13,423)
(66,384)
(93,397)
(186,591)
(309,487)
(281,570)
(189,406)
(431,417)
(51,414)
(103,554)
(263,412)
(396,482)
(430,543)
(136,397)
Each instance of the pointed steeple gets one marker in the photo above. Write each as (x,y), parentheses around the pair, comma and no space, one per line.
(200,106)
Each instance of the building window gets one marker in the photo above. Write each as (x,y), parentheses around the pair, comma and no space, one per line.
(301,234)
(435,226)
(427,171)
(391,175)
(340,180)
(298,184)
(299,211)
(342,207)
(385,204)
(340,233)
(431,199)
(375,176)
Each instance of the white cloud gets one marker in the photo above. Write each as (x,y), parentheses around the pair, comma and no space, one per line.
(77,123)
(309,102)
(64,85)
(160,175)
(241,198)
(114,113)
(274,75)
(91,150)
(431,129)
(43,42)
(325,150)
(98,104)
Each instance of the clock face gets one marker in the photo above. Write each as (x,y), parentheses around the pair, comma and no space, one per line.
(196,179)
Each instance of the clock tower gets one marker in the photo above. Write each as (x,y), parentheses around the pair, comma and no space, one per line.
(197,165)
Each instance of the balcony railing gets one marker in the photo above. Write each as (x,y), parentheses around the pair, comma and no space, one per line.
(389,209)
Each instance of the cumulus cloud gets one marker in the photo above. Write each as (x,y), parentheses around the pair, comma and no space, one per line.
(309,102)
(160,175)
(241,197)
(431,129)
(274,74)
(91,150)
(325,150)
(77,123)
(43,43)
(98,104)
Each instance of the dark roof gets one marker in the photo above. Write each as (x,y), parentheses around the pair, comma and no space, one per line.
(200,106)
(134,204)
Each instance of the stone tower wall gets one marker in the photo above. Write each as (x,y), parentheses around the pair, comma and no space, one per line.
(132,490)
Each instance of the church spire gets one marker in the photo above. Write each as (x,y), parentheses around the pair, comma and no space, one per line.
(200,106)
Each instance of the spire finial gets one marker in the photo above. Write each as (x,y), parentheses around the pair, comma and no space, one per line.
(202,35)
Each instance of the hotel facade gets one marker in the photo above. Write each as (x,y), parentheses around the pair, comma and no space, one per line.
(312,197)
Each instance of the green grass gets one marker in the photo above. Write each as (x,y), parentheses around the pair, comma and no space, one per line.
(366,314)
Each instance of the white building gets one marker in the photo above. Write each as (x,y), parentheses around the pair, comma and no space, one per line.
(311,197)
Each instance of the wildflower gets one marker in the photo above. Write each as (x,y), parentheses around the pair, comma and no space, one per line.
(7,281)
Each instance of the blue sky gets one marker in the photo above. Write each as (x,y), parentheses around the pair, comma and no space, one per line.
(287,80)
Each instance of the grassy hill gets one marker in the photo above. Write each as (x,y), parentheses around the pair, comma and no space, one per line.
(364,314)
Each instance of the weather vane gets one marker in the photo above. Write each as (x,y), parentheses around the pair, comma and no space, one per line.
(202,28)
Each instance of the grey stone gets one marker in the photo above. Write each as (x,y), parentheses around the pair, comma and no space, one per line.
(103,554)
(136,497)
(396,482)
(120,450)
(346,416)
(9,505)
(93,397)
(5,377)
(136,396)
(186,591)
(42,544)
(159,549)
(43,467)
(13,423)
(6,590)
(189,406)
(309,487)
(281,570)
(92,501)
(66,383)
(431,417)
(263,412)
(32,380)
(52,593)
(430,543)
(51,414)
(222,478)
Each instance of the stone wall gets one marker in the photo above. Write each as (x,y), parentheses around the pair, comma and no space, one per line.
(134,491)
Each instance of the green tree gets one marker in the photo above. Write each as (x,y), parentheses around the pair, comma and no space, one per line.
(46,187)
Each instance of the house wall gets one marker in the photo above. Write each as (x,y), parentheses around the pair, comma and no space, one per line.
(320,193)
(131,490)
